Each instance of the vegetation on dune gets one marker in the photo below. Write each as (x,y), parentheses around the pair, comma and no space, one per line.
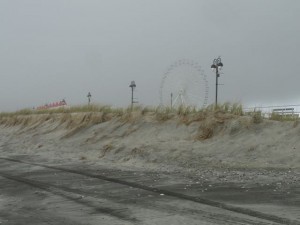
(93,114)
(287,117)
(181,110)
(85,115)
(161,113)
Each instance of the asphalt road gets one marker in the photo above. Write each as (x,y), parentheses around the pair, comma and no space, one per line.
(35,192)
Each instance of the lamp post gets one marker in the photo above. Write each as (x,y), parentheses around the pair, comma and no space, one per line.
(132,85)
(89,98)
(216,66)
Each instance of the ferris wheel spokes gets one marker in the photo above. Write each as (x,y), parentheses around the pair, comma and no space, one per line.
(186,82)
(179,98)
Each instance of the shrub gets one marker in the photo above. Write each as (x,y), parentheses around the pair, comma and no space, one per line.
(257,117)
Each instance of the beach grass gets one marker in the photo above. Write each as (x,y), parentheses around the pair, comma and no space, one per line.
(162,112)
(187,114)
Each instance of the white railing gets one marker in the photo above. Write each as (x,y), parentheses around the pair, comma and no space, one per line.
(283,110)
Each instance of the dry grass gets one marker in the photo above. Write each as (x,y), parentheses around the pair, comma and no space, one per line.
(131,116)
(214,118)
(93,114)
(288,117)
(211,120)
(73,109)
(257,116)
(210,125)
(205,132)
(164,113)
(235,109)
(77,118)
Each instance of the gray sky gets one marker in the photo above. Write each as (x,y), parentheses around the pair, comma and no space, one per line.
(54,49)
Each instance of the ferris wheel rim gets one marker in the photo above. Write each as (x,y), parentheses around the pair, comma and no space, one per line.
(192,66)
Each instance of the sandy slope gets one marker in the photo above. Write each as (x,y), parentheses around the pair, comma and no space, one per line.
(145,141)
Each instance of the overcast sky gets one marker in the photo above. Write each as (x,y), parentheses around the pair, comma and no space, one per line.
(54,49)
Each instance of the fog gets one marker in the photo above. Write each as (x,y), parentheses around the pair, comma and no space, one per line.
(55,49)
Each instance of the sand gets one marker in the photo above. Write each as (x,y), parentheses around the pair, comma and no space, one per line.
(145,141)
(231,159)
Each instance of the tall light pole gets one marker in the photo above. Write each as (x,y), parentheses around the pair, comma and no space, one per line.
(132,85)
(216,66)
(89,98)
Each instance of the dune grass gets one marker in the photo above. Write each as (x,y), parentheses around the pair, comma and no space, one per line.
(165,112)
(210,119)
(84,115)
(287,117)
(161,113)
(73,109)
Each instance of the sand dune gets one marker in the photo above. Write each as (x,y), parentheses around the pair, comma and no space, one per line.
(145,140)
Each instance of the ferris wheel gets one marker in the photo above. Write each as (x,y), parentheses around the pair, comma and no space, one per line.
(184,84)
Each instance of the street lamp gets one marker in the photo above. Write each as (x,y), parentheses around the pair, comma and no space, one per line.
(89,97)
(132,85)
(216,66)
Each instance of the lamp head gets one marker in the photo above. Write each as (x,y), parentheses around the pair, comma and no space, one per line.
(132,85)
(213,67)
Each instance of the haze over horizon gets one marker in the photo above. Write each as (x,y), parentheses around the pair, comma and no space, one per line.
(55,49)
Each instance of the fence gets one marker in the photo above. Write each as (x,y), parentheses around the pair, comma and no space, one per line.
(292,111)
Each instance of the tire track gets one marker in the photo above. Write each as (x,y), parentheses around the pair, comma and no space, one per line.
(200,200)
(73,195)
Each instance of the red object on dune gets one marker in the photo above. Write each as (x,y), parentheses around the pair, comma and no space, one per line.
(52,105)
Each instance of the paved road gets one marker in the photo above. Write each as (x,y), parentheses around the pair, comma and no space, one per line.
(32,192)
